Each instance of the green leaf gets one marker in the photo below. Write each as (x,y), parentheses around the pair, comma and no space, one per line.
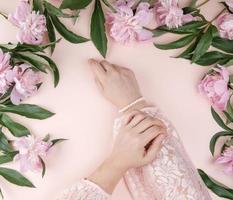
(8,47)
(75,4)
(212,57)
(219,121)
(45,46)
(8,157)
(67,34)
(189,9)
(15,177)
(28,110)
(98,34)
(106,2)
(46,138)
(191,27)
(215,31)
(52,10)
(223,44)
(216,136)
(37,5)
(4,144)
(55,141)
(229,63)
(229,117)
(15,128)
(156,32)
(223,61)
(28,47)
(51,32)
(31,60)
(229,108)
(203,45)
(176,44)
(193,11)
(187,53)
(53,67)
(43,166)
(215,187)
(1,194)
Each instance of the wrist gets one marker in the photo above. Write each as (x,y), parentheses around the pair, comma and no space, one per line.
(138,106)
(107,175)
(115,164)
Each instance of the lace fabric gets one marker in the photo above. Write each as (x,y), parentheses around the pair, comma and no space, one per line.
(171,176)
(84,190)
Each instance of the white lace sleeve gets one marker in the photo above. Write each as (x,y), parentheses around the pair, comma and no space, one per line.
(84,190)
(171,176)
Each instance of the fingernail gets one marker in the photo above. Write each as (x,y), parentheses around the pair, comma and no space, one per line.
(92,61)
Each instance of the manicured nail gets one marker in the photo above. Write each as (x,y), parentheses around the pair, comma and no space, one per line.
(91,61)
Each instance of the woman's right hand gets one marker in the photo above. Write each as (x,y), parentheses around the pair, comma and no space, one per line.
(137,144)
(139,140)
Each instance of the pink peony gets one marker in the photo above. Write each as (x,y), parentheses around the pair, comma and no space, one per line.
(5,67)
(225,25)
(32,25)
(167,12)
(230,4)
(30,151)
(215,87)
(26,82)
(125,25)
(227,159)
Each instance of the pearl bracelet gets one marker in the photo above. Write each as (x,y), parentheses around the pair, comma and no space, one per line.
(131,104)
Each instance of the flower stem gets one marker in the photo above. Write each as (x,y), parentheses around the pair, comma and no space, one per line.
(203,3)
(4,15)
(222,11)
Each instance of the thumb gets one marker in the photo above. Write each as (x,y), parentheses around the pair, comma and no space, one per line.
(154,148)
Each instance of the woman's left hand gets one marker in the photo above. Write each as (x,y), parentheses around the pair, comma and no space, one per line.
(117,84)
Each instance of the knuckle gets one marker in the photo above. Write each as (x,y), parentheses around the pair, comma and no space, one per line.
(150,120)
(154,129)
(123,130)
(161,122)
(140,115)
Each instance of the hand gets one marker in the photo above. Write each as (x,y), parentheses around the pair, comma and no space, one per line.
(137,144)
(117,84)
(131,146)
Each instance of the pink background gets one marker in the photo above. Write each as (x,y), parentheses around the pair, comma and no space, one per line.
(85,118)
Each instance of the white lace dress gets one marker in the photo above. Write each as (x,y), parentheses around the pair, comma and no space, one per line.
(171,176)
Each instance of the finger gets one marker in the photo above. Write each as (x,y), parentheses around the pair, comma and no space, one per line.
(97,69)
(147,123)
(151,134)
(118,67)
(129,116)
(99,84)
(154,149)
(137,119)
(123,70)
(107,66)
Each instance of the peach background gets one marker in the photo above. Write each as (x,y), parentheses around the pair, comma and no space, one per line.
(86,119)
